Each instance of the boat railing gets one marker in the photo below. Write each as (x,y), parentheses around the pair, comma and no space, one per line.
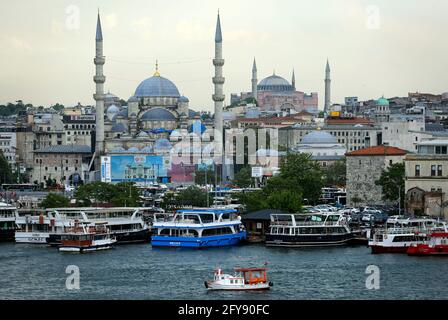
(402,230)
(305,223)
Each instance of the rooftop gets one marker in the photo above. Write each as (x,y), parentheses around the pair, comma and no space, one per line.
(70,148)
(378,151)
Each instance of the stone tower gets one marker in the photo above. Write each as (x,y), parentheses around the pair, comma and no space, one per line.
(254,80)
(327,89)
(99,80)
(218,82)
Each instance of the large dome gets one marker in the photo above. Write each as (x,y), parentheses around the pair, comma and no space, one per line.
(157,86)
(318,137)
(158,114)
(274,83)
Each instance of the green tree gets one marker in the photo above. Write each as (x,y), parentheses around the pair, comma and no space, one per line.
(120,194)
(6,174)
(335,174)
(243,178)
(54,200)
(58,107)
(285,200)
(392,182)
(202,175)
(193,196)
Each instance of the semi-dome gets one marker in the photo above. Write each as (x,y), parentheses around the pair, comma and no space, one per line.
(183,99)
(274,83)
(123,113)
(158,114)
(119,127)
(318,137)
(157,86)
(382,102)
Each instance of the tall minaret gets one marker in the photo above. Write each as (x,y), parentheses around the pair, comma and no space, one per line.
(254,80)
(293,80)
(218,81)
(327,88)
(99,80)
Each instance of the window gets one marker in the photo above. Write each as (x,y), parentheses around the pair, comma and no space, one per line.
(417,170)
(433,170)
(439,170)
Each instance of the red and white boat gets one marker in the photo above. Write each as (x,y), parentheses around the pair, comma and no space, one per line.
(243,279)
(405,233)
(87,237)
(436,245)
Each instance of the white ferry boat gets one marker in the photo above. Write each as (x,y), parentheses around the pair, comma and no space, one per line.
(87,237)
(305,230)
(243,279)
(198,228)
(36,227)
(125,224)
(7,222)
(402,234)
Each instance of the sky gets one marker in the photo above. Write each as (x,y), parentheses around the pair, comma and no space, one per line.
(375,47)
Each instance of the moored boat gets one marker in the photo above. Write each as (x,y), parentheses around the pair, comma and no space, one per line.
(307,230)
(7,222)
(198,228)
(404,233)
(86,238)
(435,245)
(243,279)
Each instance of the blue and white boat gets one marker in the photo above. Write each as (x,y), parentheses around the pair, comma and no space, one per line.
(199,228)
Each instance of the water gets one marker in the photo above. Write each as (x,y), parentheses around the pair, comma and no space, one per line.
(140,272)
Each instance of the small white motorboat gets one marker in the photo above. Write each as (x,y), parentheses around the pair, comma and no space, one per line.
(243,279)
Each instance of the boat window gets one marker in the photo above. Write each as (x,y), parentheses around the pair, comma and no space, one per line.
(164,232)
(274,230)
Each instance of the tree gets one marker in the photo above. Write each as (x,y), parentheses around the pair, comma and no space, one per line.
(120,194)
(285,200)
(335,174)
(54,200)
(193,196)
(243,178)
(6,174)
(392,182)
(201,175)
(356,199)
(58,107)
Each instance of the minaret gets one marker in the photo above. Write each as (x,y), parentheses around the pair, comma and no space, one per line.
(99,80)
(218,81)
(254,80)
(293,80)
(327,88)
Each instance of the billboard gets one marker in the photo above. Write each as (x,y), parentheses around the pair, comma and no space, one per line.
(105,169)
(138,168)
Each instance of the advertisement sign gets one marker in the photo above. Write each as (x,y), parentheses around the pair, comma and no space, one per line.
(105,169)
(257,172)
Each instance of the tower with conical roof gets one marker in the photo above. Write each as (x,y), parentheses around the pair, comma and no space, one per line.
(327,89)
(254,80)
(99,80)
(218,82)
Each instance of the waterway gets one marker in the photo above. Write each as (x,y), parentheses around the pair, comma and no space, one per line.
(141,272)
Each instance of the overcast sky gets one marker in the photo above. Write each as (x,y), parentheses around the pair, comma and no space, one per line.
(375,47)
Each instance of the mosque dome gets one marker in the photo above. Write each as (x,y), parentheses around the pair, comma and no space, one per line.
(382,102)
(157,86)
(162,144)
(123,113)
(158,114)
(142,134)
(318,137)
(119,127)
(112,111)
(274,83)
(183,99)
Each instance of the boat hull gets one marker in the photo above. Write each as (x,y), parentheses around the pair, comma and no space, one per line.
(143,235)
(308,240)
(31,237)
(197,243)
(96,246)
(246,287)
(7,235)
(426,250)
(377,249)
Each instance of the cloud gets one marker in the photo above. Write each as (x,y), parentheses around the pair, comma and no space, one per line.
(188,30)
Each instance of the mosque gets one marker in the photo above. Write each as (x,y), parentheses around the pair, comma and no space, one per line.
(136,142)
